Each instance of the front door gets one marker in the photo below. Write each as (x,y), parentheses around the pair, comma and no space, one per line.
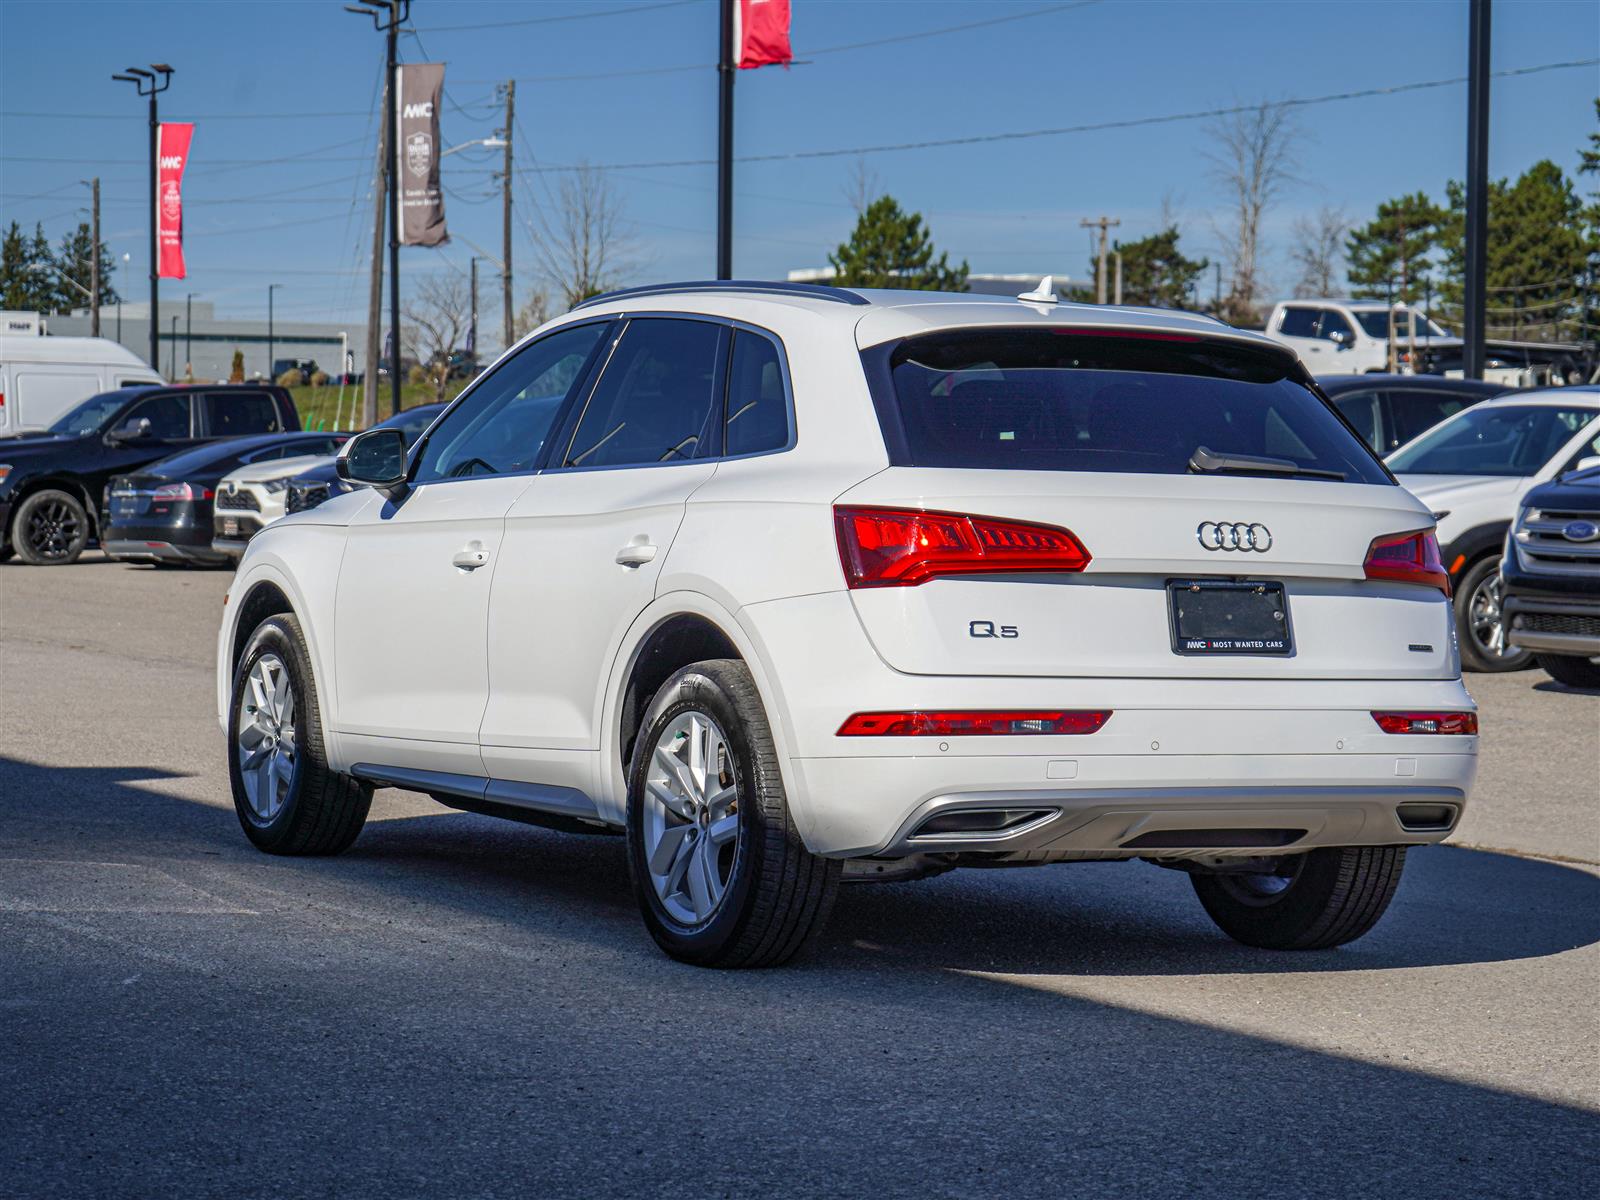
(411,664)
(585,544)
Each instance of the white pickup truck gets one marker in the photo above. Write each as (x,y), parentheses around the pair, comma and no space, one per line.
(1351,337)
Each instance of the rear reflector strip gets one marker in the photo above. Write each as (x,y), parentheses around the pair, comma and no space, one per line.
(898,547)
(1427,722)
(965,724)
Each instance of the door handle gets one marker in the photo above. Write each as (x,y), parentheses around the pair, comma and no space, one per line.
(636,554)
(470,558)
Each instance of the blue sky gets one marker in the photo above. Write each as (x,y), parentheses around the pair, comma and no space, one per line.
(1009,205)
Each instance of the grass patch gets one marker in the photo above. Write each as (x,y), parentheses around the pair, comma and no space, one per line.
(321,407)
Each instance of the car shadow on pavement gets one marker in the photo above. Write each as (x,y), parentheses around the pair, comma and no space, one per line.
(1565,689)
(1453,906)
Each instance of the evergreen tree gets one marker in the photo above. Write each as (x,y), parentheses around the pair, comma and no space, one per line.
(1154,270)
(1589,164)
(27,272)
(73,263)
(1389,255)
(1537,260)
(891,249)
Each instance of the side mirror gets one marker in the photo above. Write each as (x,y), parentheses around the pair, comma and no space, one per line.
(376,458)
(1342,338)
(133,431)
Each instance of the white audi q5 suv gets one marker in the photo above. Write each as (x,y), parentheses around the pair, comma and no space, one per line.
(793,584)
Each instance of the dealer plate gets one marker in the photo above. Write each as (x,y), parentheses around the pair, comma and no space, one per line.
(230,527)
(1227,616)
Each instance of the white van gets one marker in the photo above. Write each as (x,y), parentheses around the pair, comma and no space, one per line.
(43,377)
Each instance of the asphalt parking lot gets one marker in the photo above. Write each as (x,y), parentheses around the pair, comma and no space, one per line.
(464,1007)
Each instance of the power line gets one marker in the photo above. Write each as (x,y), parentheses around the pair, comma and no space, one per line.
(1090,127)
(928,33)
(578,16)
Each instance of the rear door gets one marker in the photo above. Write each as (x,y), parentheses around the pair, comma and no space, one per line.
(585,543)
(45,391)
(1096,435)
(1297,329)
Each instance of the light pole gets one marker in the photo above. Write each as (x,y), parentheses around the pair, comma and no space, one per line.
(271,374)
(398,12)
(188,334)
(172,350)
(152,83)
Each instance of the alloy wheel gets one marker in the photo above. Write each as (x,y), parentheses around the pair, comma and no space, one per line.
(691,817)
(53,527)
(1486,620)
(266,739)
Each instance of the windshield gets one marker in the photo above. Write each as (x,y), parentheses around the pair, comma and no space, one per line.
(1512,440)
(1376,322)
(1072,400)
(92,413)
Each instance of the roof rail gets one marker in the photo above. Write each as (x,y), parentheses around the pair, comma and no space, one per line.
(816,291)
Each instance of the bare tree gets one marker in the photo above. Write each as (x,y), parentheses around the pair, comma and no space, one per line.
(584,244)
(1319,251)
(1253,156)
(862,186)
(438,316)
(534,313)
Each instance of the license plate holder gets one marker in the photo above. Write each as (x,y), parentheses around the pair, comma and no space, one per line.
(230,526)
(1228,617)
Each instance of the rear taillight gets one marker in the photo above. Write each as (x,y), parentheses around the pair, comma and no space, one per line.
(1407,558)
(980,723)
(1427,722)
(893,547)
(180,491)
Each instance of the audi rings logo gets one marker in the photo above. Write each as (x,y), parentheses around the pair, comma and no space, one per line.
(1234,535)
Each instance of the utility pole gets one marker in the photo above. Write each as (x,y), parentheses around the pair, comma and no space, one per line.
(1475,295)
(271,287)
(1116,288)
(472,328)
(369,384)
(94,263)
(1216,303)
(152,83)
(725,69)
(188,334)
(1103,224)
(508,308)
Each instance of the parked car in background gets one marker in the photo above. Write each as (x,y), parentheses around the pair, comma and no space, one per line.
(252,497)
(1472,469)
(317,483)
(163,513)
(52,487)
(790,583)
(1551,574)
(1350,337)
(1389,410)
(42,378)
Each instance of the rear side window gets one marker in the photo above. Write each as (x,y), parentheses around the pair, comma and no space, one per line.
(757,418)
(1365,412)
(1417,412)
(656,398)
(231,414)
(1067,400)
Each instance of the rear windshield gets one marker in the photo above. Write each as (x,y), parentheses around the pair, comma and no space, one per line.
(1063,400)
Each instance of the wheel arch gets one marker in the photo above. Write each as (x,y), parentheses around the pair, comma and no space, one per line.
(59,483)
(675,630)
(1462,551)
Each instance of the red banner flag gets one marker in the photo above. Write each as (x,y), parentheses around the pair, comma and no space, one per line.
(172,155)
(761,33)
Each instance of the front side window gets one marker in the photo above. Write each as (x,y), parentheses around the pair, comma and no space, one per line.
(232,414)
(1511,440)
(168,416)
(757,419)
(1074,400)
(1298,322)
(656,399)
(1414,413)
(91,415)
(500,428)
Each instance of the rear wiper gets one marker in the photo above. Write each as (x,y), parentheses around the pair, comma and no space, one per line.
(1251,464)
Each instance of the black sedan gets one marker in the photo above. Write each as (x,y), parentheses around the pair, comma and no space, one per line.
(163,513)
(310,488)
(1389,410)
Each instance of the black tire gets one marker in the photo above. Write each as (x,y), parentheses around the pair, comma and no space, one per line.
(322,811)
(1331,897)
(1571,670)
(50,529)
(1476,653)
(778,894)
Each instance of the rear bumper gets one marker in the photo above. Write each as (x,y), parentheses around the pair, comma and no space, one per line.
(229,547)
(1177,754)
(137,549)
